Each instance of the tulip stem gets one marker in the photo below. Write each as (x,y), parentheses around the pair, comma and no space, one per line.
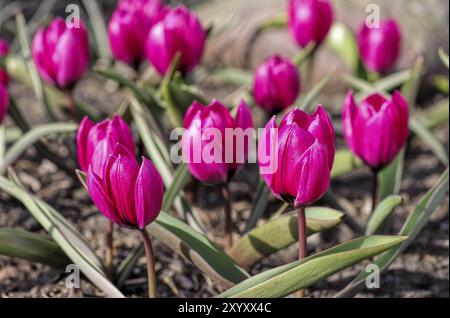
(228,218)
(110,249)
(150,265)
(301,223)
(72,106)
(374,189)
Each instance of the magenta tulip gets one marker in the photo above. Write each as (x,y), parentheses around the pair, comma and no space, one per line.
(302,154)
(128,195)
(4,51)
(4,102)
(379,47)
(309,20)
(180,32)
(377,129)
(61,53)
(129,27)
(200,122)
(276,84)
(95,142)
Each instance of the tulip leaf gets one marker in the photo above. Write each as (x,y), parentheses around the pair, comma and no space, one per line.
(196,248)
(441,83)
(305,55)
(342,40)
(443,56)
(416,221)
(259,205)
(235,76)
(98,28)
(436,115)
(64,234)
(344,163)
(181,177)
(32,247)
(429,139)
(382,213)
(38,86)
(30,138)
(390,178)
(281,233)
(307,103)
(284,280)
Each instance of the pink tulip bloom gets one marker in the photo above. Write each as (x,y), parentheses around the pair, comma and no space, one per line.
(276,84)
(302,152)
(309,20)
(4,102)
(129,26)
(200,122)
(96,141)
(61,54)
(179,31)
(4,51)
(128,195)
(377,129)
(379,47)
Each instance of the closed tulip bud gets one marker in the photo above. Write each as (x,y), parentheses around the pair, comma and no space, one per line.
(129,26)
(379,47)
(95,142)
(309,20)
(61,53)
(180,32)
(302,153)
(206,128)
(4,50)
(4,102)
(276,84)
(128,195)
(377,129)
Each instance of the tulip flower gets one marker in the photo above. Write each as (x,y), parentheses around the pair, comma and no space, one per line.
(377,130)
(4,102)
(4,50)
(309,20)
(211,147)
(179,32)
(61,53)
(379,47)
(129,27)
(95,142)
(130,196)
(300,158)
(276,84)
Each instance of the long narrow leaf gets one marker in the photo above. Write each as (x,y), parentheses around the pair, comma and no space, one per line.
(382,213)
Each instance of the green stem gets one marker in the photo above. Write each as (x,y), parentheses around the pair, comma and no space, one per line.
(150,264)
(302,251)
(110,249)
(374,189)
(228,218)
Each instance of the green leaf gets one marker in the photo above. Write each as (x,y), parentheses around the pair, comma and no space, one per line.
(64,234)
(259,205)
(98,28)
(235,76)
(30,138)
(443,56)
(344,163)
(429,139)
(284,280)
(412,227)
(342,40)
(196,248)
(382,213)
(181,178)
(436,115)
(305,54)
(390,178)
(281,233)
(308,101)
(441,83)
(31,247)
(410,89)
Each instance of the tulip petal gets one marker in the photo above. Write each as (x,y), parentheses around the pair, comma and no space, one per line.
(82,140)
(322,128)
(193,111)
(267,152)
(148,194)
(313,174)
(296,116)
(348,116)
